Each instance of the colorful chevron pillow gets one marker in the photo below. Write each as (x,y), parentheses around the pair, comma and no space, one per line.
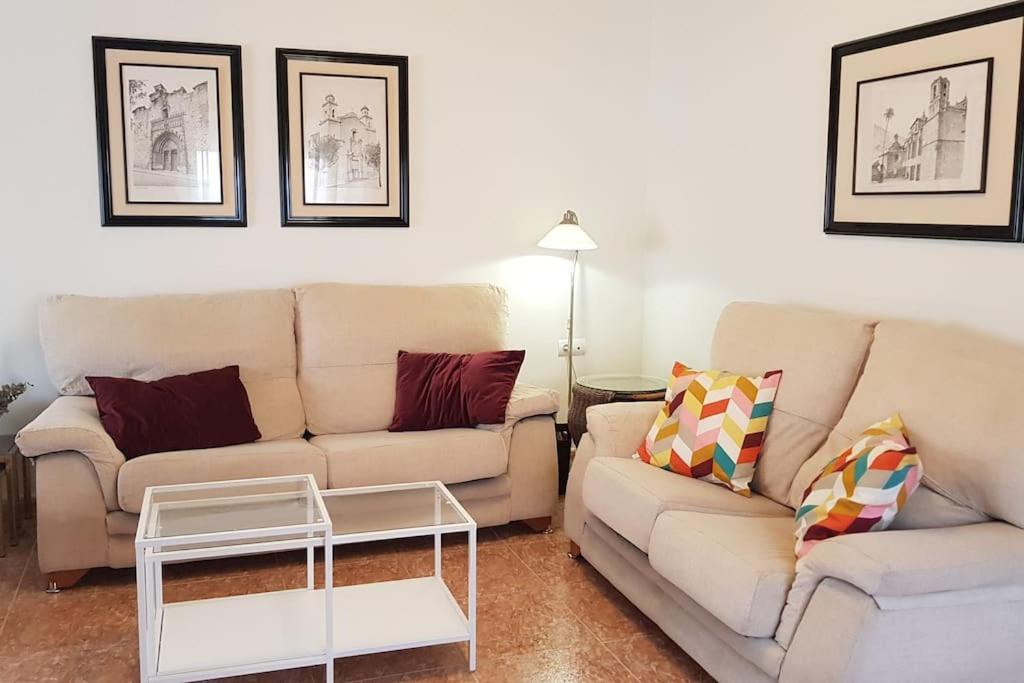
(862,489)
(712,425)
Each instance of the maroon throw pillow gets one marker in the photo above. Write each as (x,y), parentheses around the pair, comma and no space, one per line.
(200,410)
(443,390)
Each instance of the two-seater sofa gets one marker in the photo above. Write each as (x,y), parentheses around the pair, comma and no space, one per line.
(938,597)
(319,365)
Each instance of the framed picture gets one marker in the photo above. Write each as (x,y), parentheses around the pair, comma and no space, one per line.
(169,130)
(343,133)
(924,136)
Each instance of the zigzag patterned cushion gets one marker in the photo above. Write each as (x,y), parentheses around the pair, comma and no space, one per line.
(862,489)
(712,425)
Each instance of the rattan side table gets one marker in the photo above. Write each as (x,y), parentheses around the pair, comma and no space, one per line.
(593,390)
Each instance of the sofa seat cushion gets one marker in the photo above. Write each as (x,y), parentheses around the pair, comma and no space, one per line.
(245,461)
(447,455)
(738,568)
(628,495)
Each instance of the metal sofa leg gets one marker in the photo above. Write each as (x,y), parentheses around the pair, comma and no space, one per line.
(55,581)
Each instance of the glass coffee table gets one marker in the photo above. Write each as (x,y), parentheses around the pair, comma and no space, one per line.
(231,636)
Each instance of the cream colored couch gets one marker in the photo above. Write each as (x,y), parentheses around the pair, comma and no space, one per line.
(317,361)
(940,597)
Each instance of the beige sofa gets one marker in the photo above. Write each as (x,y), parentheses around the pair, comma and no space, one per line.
(318,363)
(940,597)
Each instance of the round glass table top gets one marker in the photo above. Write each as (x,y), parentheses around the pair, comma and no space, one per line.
(624,383)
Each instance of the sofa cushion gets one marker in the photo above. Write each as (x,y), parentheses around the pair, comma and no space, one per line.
(445,390)
(862,489)
(821,353)
(628,495)
(349,337)
(447,455)
(738,568)
(246,461)
(711,426)
(205,409)
(150,337)
(958,393)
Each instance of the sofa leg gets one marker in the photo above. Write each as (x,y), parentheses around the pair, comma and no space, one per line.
(55,581)
(539,524)
(574,550)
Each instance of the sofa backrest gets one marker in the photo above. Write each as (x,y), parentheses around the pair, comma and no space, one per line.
(151,337)
(349,337)
(958,392)
(821,354)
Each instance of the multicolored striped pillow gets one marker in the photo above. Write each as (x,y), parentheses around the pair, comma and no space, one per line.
(862,489)
(712,425)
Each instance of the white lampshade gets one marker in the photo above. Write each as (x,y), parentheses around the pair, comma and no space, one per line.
(568,236)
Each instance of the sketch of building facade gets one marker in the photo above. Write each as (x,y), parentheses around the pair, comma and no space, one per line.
(934,146)
(171,135)
(340,151)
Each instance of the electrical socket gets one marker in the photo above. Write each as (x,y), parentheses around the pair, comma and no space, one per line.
(579,347)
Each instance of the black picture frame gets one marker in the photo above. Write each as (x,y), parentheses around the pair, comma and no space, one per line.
(110,218)
(1013,230)
(288,193)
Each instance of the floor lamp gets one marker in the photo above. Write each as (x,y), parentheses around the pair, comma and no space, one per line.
(569,236)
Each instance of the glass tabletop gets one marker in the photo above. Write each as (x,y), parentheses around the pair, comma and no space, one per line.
(226,507)
(630,383)
(391,508)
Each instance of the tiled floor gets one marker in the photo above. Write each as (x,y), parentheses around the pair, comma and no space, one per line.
(542,617)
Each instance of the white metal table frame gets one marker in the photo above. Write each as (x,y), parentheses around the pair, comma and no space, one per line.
(437,530)
(151,553)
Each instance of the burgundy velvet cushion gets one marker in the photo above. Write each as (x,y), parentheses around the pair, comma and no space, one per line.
(443,390)
(201,410)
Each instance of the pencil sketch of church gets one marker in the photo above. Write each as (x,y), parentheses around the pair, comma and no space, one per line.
(173,140)
(920,136)
(933,148)
(343,145)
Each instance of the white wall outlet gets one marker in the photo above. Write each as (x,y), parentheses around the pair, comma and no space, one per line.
(579,347)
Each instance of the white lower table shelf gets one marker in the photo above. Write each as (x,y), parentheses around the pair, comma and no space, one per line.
(288,626)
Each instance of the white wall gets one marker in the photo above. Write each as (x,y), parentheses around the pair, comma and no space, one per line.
(518,111)
(739,106)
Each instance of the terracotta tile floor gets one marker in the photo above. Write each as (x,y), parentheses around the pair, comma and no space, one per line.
(541,616)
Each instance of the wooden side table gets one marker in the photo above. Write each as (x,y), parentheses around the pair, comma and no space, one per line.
(593,390)
(14,492)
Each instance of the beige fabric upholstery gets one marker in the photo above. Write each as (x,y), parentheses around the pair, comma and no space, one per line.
(447,455)
(846,636)
(72,423)
(737,568)
(628,495)
(958,393)
(151,337)
(533,468)
(261,459)
(927,509)
(909,562)
(821,354)
(349,337)
(573,511)
(528,400)
(71,515)
(618,429)
(613,430)
(121,523)
(725,654)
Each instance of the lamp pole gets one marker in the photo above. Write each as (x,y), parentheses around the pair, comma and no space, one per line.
(572,315)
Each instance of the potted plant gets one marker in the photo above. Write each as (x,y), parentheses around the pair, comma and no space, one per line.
(9,393)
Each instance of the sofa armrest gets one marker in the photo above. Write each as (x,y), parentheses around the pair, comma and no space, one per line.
(916,561)
(912,562)
(526,401)
(72,423)
(618,429)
